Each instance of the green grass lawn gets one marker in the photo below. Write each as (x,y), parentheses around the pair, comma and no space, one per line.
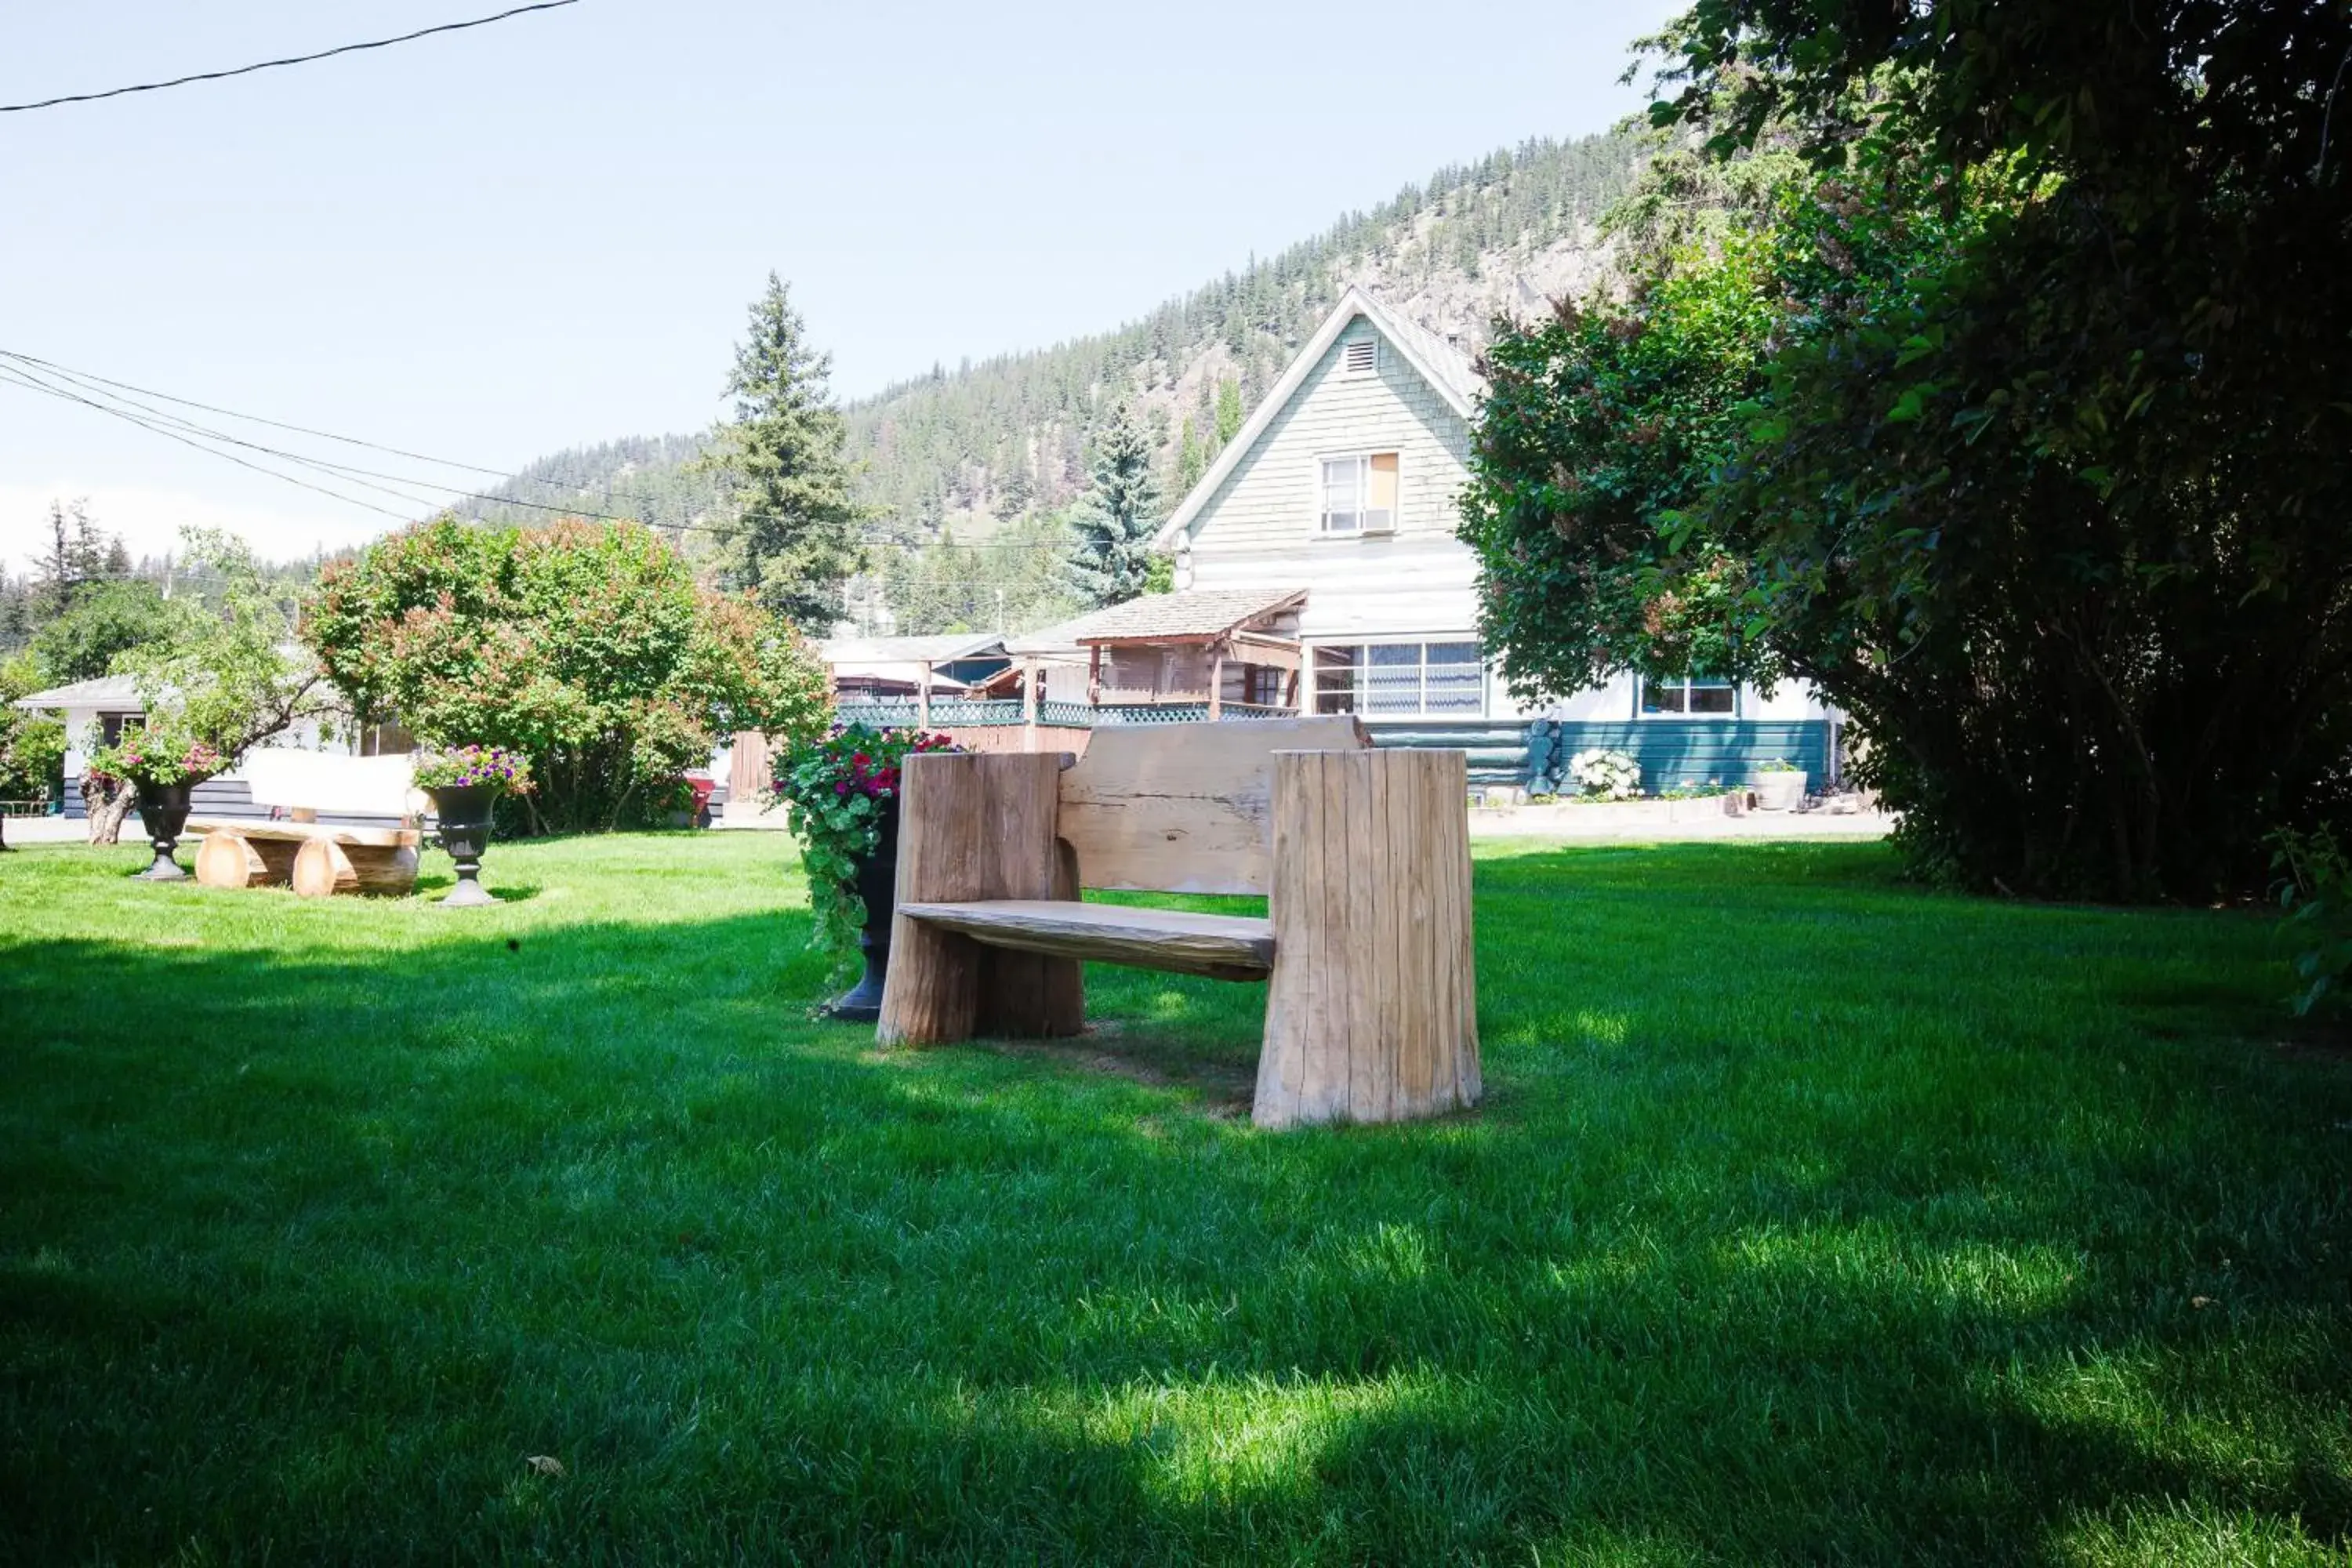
(1809,1218)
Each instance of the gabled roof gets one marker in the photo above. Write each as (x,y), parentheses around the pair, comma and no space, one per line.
(1199,616)
(108,691)
(941,649)
(1438,362)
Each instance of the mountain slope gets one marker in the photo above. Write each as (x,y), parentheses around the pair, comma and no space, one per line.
(961,453)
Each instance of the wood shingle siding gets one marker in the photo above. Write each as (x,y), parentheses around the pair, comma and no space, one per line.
(1260,525)
(1270,499)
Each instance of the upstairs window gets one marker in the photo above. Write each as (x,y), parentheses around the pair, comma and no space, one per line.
(1688,697)
(1359,495)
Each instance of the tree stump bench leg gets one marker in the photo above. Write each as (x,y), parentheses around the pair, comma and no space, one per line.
(230,859)
(1372,1012)
(974,826)
(323,868)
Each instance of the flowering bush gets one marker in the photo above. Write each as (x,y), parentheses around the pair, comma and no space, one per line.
(1778,765)
(592,650)
(841,788)
(161,754)
(462,767)
(1611,775)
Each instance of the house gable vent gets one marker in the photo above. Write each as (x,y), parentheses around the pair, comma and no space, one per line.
(1361,356)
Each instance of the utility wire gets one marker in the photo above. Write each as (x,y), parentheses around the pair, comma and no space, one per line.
(83,375)
(89,390)
(288,60)
(185,441)
(164,422)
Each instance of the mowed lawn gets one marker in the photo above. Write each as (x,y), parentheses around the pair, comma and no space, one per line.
(1809,1218)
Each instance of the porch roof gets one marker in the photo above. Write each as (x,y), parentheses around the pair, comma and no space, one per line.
(1203,615)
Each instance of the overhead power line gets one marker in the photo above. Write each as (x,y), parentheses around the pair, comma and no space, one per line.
(248,419)
(288,60)
(105,396)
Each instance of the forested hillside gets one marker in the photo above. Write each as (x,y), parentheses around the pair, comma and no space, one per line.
(958,454)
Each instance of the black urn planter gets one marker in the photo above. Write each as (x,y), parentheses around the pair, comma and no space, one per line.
(163,812)
(464,813)
(878,883)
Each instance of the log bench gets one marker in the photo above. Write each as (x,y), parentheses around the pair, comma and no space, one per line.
(318,859)
(1363,855)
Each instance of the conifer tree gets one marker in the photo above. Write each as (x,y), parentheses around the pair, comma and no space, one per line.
(1191,461)
(1229,410)
(793,543)
(1110,560)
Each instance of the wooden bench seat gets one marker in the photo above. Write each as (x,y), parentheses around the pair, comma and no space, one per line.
(1363,857)
(303,832)
(317,858)
(1183,941)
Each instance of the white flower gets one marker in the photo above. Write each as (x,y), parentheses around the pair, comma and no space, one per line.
(1611,775)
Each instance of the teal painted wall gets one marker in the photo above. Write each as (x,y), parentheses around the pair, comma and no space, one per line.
(1679,754)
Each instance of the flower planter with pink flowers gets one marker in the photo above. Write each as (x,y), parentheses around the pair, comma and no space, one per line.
(843,794)
(164,763)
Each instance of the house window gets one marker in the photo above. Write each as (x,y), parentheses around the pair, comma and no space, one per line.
(112,725)
(1401,679)
(1361,356)
(1688,697)
(1266,684)
(1359,495)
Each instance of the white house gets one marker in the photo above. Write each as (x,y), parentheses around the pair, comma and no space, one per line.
(1343,484)
(98,710)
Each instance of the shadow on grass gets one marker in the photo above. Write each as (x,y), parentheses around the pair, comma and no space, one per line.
(1812,1222)
(432,883)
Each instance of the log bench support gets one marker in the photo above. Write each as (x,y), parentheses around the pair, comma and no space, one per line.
(1372,1015)
(316,859)
(977,827)
(1364,855)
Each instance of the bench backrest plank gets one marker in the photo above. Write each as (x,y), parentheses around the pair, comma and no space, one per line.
(339,786)
(1186,808)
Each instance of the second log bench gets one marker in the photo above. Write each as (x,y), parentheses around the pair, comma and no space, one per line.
(1364,855)
(318,857)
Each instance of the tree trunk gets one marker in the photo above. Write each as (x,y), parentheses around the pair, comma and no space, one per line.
(107,811)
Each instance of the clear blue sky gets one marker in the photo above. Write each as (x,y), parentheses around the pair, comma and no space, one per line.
(493,244)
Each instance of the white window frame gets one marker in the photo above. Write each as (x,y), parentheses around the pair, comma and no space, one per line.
(1357,690)
(1642,685)
(1362,458)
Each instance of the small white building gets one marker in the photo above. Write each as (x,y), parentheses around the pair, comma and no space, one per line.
(97,711)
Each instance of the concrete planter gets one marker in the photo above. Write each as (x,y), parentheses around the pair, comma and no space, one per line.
(1780,791)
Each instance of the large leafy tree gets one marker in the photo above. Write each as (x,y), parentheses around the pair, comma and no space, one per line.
(590,649)
(104,620)
(1111,527)
(793,540)
(234,673)
(2038,477)
(2074,482)
(1600,429)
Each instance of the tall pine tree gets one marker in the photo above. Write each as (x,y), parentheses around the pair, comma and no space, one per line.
(1229,411)
(1110,560)
(793,543)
